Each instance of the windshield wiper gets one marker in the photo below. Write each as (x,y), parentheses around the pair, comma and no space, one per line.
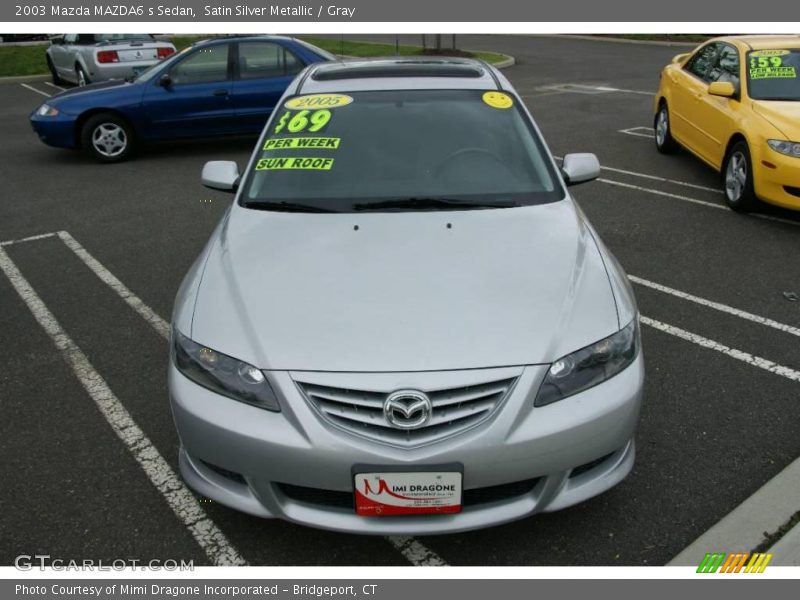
(432,204)
(287,207)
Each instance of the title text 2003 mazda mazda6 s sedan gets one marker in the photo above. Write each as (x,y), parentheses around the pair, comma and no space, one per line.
(404,324)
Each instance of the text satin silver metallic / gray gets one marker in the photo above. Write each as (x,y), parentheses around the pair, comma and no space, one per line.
(495,335)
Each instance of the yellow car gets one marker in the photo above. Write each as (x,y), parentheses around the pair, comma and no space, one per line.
(735,103)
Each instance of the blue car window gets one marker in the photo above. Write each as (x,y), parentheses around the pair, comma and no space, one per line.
(264,59)
(207,65)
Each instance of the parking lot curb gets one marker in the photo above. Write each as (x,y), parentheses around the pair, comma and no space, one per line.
(753,521)
(24,78)
(613,40)
(786,553)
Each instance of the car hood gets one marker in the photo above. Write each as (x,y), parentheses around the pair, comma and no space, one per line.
(784,116)
(403,291)
(93,91)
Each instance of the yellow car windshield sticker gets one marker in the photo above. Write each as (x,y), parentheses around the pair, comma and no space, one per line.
(768,64)
(305,120)
(498,100)
(327,143)
(295,163)
(313,101)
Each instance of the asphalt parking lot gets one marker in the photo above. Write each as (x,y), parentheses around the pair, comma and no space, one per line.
(720,337)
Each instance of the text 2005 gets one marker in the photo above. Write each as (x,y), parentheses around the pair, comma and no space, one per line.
(30,11)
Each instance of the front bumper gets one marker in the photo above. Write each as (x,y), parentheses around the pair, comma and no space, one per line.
(779,183)
(58,131)
(522,461)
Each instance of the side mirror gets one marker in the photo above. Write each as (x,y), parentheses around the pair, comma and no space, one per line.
(221,175)
(580,168)
(165,80)
(724,89)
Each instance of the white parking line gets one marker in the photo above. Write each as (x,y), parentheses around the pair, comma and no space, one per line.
(657,178)
(582,88)
(33,89)
(755,361)
(185,506)
(30,238)
(136,303)
(639,131)
(717,306)
(694,201)
(414,551)
(53,85)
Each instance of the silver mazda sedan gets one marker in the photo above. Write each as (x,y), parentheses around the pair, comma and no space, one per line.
(404,324)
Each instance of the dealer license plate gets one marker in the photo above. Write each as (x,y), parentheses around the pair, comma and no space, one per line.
(388,494)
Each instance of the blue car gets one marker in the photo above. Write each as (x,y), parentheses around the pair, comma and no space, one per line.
(226,86)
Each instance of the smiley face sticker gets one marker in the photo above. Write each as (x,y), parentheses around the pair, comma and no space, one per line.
(498,100)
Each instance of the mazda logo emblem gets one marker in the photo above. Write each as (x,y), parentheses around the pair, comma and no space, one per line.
(407,409)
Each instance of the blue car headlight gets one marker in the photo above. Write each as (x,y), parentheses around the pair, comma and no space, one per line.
(222,374)
(45,110)
(590,366)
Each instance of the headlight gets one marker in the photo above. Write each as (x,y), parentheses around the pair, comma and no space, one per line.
(222,374)
(45,110)
(787,148)
(589,366)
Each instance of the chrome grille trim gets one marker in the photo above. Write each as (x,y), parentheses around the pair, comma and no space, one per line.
(360,411)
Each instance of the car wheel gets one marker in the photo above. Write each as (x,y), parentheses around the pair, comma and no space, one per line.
(740,193)
(665,143)
(81,77)
(53,73)
(107,137)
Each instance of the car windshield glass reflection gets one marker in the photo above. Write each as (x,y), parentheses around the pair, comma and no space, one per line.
(400,151)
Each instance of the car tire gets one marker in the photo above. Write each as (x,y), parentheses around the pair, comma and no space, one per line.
(81,77)
(53,73)
(665,143)
(107,137)
(737,179)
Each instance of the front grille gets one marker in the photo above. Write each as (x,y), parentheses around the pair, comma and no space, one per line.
(794,191)
(474,497)
(453,410)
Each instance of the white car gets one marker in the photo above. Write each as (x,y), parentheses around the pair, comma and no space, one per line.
(82,58)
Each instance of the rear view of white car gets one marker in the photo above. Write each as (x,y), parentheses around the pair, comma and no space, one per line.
(82,58)
(404,324)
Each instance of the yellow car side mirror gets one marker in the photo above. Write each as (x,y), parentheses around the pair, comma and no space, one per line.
(722,88)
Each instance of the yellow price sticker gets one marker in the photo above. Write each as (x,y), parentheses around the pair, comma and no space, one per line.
(315,101)
(328,143)
(294,163)
(498,100)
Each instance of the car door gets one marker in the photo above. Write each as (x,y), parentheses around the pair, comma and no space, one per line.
(688,86)
(717,114)
(263,71)
(192,99)
(63,56)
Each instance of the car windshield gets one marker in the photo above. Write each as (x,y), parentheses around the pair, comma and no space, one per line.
(400,150)
(774,74)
